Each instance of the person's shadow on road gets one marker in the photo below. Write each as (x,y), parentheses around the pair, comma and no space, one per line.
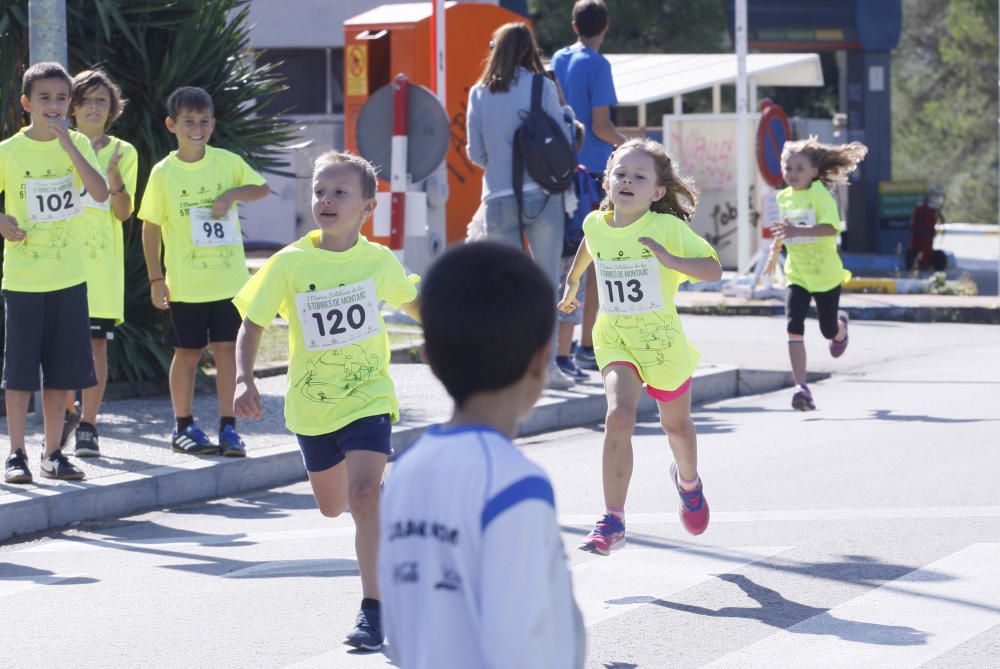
(797,618)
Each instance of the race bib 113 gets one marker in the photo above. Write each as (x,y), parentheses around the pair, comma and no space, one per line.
(629,286)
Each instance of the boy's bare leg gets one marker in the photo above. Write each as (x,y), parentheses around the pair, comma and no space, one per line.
(54,413)
(330,489)
(364,479)
(17,402)
(565,342)
(675,419)
(797,356)
(623,388)
(92,397)
(224,353)
(182,373)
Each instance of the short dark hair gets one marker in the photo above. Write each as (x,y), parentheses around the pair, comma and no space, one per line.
(40,71)
(366,171)
(487,309)
(191,98)
(590,17)
(88,80)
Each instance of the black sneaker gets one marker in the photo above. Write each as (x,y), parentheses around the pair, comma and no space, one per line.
(367,632)
(70,422)
(192,441)
(57,466)
(86,442)
(15,468)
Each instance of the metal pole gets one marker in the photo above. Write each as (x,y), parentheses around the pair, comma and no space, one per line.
(439,52)
(998,171)
(47,31)
(743,240)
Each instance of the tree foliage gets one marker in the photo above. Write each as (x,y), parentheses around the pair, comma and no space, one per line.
(945,103)
(150,47)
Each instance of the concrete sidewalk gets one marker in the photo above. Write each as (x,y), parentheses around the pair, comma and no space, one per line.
(984,309)
(138,472)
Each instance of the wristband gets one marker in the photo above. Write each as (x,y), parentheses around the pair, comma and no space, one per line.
(152,281)
(117,192)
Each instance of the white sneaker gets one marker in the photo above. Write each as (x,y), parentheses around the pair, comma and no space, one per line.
(558,380)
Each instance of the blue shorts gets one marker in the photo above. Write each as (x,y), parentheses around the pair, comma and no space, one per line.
(323,451)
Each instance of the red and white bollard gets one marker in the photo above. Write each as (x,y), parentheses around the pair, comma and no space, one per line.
(398,179)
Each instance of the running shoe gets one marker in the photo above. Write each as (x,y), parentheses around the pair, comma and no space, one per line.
(837,348)
(694,507)
(608,535)
(568,367)
(367,632)
(192,441)
(57,466)
(231,443)
(87,442)
(802,399)
(585,359)
(15,469)
(557,380)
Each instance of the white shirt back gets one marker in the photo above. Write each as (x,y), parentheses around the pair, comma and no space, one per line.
(472,569)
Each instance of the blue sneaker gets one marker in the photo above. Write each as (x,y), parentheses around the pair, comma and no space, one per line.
(585,359)
(231,443)
(570,369)
(367,632)
(192,441)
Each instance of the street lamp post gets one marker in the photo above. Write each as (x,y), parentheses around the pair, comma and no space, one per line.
(47,31)
(743,239)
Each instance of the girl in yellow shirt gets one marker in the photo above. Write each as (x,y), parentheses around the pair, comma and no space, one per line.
(643,249)
(808,230)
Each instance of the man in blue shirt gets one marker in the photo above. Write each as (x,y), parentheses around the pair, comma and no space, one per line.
(585,78)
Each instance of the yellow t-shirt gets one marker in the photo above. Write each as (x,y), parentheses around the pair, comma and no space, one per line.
(638,321)
(813,262)
(42,189)
(103,241)
(338,368)
(204,257)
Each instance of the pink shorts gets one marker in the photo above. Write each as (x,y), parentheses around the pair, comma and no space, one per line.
(656,393)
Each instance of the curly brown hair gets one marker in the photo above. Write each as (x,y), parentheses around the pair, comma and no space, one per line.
(834,162)
(681,195)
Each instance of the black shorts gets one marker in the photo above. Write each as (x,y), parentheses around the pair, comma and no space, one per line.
(797,301)
(194,324)
(51,331)
(372,433)
(102,328)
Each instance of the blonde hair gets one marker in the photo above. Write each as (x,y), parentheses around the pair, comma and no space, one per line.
(681,194)
(834,162)
(366,171)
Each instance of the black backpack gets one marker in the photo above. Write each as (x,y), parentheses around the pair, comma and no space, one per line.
(541,148)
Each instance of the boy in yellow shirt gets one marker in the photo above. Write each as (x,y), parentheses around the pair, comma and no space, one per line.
(42,169)
(340,401)
(190,204)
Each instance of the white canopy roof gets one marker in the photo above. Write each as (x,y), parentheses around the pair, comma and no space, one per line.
(644,78)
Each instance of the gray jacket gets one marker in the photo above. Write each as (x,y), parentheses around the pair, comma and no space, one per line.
(492,119)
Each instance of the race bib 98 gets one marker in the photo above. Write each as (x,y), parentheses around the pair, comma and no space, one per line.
(52,199)
(339,316)
(629,286)
(800,218)
(209,231)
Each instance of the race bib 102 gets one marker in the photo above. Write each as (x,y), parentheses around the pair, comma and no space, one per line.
(52,199)
(209,231)
(629,286)
(800,218)
(339,316)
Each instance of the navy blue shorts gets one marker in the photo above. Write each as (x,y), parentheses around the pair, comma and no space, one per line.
(194,324)
(50,330)
(323,451)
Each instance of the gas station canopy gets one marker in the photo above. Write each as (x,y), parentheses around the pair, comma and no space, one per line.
(644,78)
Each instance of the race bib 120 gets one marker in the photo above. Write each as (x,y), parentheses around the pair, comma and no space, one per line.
(629,286)
(800,218)
(339,316)
(52,199)
(209,231)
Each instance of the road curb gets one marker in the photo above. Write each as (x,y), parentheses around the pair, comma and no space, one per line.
(907,314)
(38,509)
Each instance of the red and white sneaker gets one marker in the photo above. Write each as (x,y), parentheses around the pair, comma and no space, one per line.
(694,506)
(608,534)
